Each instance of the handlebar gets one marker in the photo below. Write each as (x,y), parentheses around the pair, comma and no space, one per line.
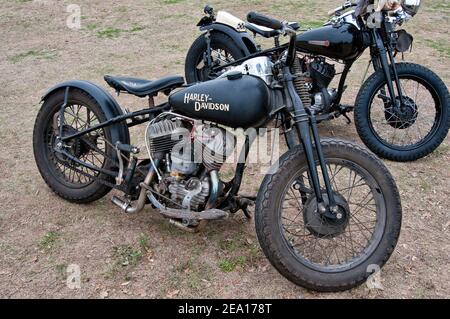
(264,21)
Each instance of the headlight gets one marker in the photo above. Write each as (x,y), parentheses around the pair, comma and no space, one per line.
(411,7)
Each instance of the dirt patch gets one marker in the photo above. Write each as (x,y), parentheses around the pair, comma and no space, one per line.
(143,256)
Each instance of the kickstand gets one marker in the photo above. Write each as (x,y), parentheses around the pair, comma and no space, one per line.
(349,121)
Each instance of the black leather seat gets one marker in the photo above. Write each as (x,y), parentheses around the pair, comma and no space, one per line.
(143,88)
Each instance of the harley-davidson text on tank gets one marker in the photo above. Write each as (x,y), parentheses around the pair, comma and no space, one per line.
(204,102)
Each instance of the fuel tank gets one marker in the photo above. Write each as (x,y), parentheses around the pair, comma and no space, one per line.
(343,42)
(236,101)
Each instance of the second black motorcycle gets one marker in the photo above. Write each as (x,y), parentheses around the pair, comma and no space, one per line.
(401,111)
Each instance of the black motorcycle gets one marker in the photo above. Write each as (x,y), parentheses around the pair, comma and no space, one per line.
(327,215)
(402,110)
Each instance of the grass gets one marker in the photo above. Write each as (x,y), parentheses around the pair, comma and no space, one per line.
(425,186)
(105,69)
(109,33)
(229,265)
(172,1)
(122,9)
(112,33)
(49,240)
(61,271)
(443,149)
(442,47)
(35,54)
(91,26)
(144,242)
(127,255)
(137,28)
(438,5)
(239,253)
(191,272)
(124,256)
(227,174)
(312,24)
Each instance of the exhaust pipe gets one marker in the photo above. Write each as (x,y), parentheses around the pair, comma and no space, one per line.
(126,206)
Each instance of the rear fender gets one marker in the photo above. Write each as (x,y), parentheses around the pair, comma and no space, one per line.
(109,106)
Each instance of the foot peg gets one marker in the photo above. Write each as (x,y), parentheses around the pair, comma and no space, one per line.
(127,148)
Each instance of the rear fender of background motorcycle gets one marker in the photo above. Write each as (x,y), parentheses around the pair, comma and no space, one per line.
(109,106)
(242,39)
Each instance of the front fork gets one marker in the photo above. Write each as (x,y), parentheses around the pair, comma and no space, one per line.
(306,126)
(380,60)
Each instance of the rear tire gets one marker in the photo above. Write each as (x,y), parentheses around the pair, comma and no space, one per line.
(271,233)
(219,41)
(51,167)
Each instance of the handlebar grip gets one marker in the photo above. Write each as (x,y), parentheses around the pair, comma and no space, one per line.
(208,9)
(264,21)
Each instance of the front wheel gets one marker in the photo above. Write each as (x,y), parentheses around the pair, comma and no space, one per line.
(408,131)
(325,254)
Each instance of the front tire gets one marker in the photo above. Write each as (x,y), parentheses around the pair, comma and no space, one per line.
(289,246)
(410,135)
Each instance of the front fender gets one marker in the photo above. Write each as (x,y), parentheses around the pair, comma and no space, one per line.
(109,106)
(242,39)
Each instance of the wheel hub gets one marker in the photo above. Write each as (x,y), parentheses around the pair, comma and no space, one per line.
(75,147)
(402,116)
(318,222)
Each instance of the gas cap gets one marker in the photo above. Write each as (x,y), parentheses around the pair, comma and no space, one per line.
(235,75)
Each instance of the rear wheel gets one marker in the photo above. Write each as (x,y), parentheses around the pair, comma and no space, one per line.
(67,179)
(223,51)
(316,251)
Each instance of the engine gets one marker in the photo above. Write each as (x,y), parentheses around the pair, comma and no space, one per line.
(314,75)
(189,152)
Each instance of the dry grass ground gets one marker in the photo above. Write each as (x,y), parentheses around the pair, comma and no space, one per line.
(141,255)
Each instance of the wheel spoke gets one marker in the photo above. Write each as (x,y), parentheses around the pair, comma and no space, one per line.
(406,129)
(89,149)
(322,242)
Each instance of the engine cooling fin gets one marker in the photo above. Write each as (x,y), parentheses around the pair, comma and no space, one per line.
(164,135)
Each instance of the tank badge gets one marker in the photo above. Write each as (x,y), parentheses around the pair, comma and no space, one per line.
(204,102)
(320,43)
